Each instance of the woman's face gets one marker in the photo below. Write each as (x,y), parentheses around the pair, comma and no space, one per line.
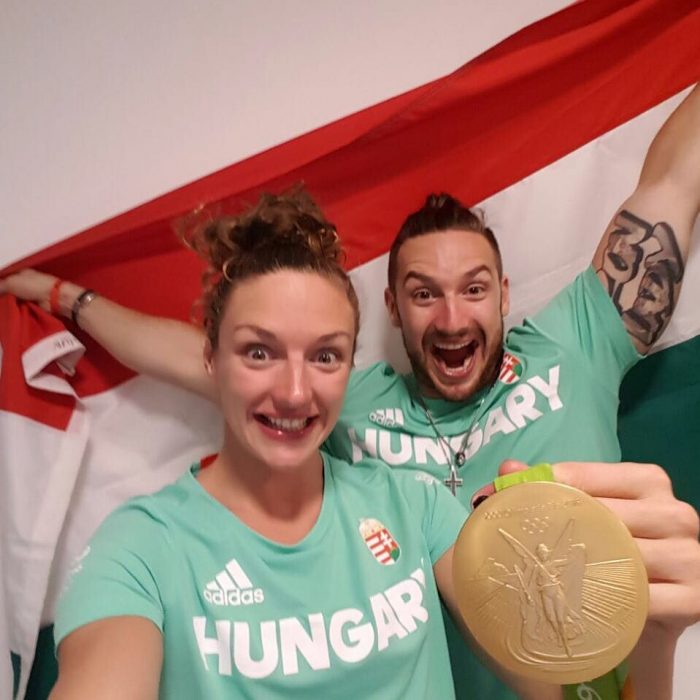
(282,364)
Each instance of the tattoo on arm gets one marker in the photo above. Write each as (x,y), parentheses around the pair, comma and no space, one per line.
(643,267)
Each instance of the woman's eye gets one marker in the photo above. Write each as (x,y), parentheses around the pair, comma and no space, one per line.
(257,353)
(327,357)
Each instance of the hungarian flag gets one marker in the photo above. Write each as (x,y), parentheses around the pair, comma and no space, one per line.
(546,131)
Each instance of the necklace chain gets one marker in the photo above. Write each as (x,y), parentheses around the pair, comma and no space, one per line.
(454,458)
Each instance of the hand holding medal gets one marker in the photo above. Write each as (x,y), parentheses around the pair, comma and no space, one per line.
(553,586)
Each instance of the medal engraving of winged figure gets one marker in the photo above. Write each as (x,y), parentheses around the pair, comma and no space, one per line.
(549,603)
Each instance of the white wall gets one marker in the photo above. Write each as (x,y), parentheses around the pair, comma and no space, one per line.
(105,105)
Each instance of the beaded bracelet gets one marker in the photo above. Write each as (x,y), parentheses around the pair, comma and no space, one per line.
(53,298)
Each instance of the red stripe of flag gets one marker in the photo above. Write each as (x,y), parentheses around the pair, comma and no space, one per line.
(535,97)
(21,326)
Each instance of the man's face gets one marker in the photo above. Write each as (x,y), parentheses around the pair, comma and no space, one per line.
(449,303)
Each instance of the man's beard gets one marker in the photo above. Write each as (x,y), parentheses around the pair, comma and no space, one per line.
(487,377)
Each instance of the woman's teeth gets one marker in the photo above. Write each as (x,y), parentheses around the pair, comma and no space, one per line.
(287,425)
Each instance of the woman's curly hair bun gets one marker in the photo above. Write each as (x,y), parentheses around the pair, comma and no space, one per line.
(289,220)
(281,231)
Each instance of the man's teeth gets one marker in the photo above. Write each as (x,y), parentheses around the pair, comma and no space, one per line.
(287,424)
(452,346)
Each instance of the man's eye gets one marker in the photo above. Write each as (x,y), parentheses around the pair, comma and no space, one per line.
(475,290)
(422,294)
(257,353)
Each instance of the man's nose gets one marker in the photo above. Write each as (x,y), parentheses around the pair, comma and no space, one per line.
(449,319)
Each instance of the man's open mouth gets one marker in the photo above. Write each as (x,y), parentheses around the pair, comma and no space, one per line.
(454,359)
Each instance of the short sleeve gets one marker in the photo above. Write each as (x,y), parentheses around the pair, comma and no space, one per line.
(583,319)
(442,514)
(119,573)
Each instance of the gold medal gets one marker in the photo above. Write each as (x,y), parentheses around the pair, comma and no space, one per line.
(550,583)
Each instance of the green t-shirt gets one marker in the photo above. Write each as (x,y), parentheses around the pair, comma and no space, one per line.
(351,611)
(556,399)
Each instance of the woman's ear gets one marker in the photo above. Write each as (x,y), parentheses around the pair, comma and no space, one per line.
(208,357)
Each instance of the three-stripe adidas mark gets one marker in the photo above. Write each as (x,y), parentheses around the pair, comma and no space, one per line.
(232,587)
(388,417)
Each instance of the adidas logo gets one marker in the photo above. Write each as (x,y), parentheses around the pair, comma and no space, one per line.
(233,587)
(387,416)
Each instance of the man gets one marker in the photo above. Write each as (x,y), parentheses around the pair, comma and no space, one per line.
(546,393)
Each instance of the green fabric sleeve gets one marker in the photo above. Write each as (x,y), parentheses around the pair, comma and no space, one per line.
(119,573)
(583,319)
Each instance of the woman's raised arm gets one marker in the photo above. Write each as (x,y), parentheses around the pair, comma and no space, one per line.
(158,347)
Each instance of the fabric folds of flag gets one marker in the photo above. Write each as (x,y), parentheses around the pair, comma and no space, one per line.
(546,131)
(43,433)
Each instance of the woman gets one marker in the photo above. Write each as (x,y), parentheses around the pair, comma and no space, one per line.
(275,571)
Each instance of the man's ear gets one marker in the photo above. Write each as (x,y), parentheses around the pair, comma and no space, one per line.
(391,307)
(208,357)
(505,296)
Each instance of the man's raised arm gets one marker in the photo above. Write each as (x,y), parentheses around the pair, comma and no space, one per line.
(641,258)
(158,347)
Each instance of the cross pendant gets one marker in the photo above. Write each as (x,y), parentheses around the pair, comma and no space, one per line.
(453,481)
